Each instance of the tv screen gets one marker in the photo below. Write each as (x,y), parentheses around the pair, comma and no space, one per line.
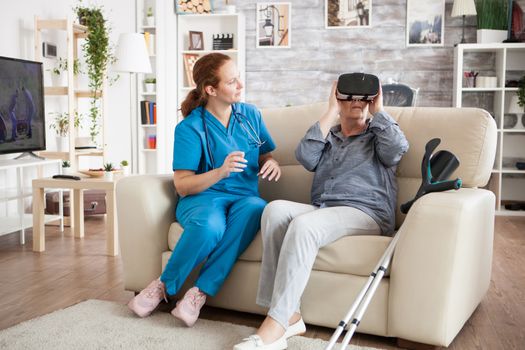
(22,118)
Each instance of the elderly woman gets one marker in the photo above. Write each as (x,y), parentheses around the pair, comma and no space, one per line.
(353,193)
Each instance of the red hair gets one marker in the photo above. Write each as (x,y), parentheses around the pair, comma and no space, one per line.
(205,73)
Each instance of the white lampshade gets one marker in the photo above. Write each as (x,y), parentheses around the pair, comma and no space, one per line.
(463,8)
(132,54)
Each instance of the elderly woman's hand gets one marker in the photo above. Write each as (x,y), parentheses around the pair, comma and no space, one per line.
(333,104)
(377,103)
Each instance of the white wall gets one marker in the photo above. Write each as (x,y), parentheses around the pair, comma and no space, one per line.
(17,28)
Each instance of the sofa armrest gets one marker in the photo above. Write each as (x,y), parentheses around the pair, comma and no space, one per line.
(145,209)
(441,266)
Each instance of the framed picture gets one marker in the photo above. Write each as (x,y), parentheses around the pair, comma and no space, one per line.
(193,6)
(274,24)
(196,41)
(344,14)
(189,63)
(425,22)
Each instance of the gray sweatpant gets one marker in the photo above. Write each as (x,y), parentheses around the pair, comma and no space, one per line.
(292,234)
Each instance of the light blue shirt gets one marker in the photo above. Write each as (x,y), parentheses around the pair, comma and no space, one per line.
(245,129)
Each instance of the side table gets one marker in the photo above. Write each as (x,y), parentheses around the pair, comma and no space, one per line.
(76,208)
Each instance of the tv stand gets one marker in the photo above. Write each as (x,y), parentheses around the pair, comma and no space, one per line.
(29,155)
(15,219)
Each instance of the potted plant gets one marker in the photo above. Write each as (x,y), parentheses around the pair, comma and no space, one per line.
(57,78)
(125,167)
(150,17)
(149,84)
(229,8)
(492,16)
(108,171)
(98,55)
(61,127)
(66,167)
(521,93)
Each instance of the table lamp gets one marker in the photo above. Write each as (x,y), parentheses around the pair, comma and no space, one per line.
(463,8)
(132,57)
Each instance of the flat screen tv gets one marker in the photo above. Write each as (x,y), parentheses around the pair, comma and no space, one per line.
(22,117)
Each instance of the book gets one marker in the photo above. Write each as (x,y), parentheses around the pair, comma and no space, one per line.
(155,113)
(151,112)
(147,112)
(143,118)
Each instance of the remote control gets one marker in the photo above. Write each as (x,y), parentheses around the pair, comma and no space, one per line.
(69,177)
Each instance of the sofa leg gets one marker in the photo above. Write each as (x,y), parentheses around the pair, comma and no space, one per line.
(407,344)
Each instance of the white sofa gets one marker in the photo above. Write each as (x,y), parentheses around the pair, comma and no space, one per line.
(442,264)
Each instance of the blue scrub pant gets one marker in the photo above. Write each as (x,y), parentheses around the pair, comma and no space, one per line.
(218,227)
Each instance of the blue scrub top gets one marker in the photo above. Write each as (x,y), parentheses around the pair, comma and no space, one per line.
(190,150)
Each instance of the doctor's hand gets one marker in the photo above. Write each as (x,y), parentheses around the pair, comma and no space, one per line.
(271,169)
(233,163)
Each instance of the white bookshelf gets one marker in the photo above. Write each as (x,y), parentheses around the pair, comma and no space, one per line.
(209,25)
(508,63)
(162,54)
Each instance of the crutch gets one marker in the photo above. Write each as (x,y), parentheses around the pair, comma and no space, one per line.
(435,170)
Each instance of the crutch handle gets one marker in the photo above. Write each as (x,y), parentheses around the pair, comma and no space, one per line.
(434,187)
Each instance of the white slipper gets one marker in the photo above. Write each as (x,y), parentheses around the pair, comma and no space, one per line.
(254,342)
(298,328)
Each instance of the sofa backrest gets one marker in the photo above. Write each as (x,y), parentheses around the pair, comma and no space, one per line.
(469,133)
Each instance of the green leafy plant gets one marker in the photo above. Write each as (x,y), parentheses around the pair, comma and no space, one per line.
(66,164)
(492,14)
(124,163)
(149,13)
(61,122)
(150,81)
(99,56)
(62,66)
(521,92)
(108,167)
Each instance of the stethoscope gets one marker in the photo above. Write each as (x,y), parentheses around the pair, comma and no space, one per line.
(250,131)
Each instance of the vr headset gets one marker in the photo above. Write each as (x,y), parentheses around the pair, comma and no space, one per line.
(357,87)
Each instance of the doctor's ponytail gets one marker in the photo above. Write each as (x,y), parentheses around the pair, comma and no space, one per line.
(205,73)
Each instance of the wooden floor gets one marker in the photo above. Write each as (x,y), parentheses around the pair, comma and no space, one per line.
(72,270)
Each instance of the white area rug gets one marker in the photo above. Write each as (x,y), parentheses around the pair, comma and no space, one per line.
(96,324)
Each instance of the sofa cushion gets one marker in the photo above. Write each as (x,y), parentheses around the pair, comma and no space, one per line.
(356,255)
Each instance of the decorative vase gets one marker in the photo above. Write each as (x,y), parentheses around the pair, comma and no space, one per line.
(62,144)
(108,175)
(510,121)
(487,36)
(150,21)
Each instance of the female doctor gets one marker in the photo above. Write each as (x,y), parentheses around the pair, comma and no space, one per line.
(220,148)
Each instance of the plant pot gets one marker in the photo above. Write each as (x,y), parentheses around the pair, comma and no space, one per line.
(62,143)
(150,21)
(58,79)
(67,170)
(149,87)
(487,36)
(229,9)
(108,175)
(125,170)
